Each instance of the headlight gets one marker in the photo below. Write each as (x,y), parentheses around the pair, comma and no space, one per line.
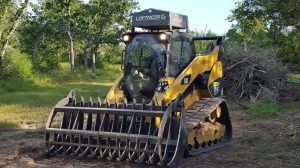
(163,36)
(126,38)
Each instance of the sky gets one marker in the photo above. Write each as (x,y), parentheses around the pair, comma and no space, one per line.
(200,13)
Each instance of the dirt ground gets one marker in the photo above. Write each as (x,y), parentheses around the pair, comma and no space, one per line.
(273,142)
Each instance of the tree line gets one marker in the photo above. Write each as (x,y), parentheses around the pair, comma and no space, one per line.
(73,34)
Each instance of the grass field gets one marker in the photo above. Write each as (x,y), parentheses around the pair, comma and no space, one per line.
(30,102)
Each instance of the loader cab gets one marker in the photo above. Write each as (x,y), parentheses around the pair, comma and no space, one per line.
(159,51)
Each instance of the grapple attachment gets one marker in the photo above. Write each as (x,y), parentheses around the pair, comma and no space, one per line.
(126,131)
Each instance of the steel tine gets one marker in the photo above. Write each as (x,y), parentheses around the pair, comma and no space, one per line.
(98,117)
(94,154)
(74,101)
(132,124)
(92,142)
(103,127)
(90,116)
(75,122)
(86,151)
(74,139)
(124,118)
(142,157)
(78,149)
(115,120)
(60,149)
(114,154)
(69,150)
(123,155)
(100,150)
(105,153)
(164,159)
(131,130)
(153,158)
(63,138)
(104,122)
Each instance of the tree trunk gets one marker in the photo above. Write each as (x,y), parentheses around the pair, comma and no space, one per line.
(36,44)
(245,46)
(70,38)
(85,58)
(85,55)
(71,50)
(93,58)
(12,30)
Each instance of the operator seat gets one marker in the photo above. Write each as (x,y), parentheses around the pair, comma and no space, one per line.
(210,47)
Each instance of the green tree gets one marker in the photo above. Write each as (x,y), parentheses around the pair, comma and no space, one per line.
(12,13)
(275,23)
(107,20)
(83,26)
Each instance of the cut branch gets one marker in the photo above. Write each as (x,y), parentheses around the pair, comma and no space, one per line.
(238,63)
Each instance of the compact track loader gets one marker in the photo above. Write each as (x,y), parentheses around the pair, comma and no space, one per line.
(167,104)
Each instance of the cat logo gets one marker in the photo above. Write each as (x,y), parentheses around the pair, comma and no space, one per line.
(216,84)
(186,80)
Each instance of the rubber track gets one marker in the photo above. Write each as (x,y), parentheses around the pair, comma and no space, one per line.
(198,112)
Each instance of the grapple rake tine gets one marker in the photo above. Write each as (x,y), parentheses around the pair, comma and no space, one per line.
(90,116)
(122,154)
(141,129)
(124,118)
(79,126)
(86,150)
(164,159)
(71,149)
(78,149)
(130,131)
(103,128)
(62,138)
(153,158)
(132,157)
(97,152)
(94,154)
(113,155)
(98,117)
(138,142)
(142,157)
(115,120)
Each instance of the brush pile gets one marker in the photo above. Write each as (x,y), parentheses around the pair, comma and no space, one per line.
(257,75)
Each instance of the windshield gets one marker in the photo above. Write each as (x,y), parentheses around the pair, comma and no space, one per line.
(147,63)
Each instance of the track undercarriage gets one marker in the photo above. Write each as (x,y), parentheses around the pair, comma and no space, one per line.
(137,132)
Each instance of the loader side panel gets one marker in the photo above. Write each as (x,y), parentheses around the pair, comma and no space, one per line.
(197,67)
(215,81)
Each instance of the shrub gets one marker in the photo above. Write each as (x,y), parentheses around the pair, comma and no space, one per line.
(16,65)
